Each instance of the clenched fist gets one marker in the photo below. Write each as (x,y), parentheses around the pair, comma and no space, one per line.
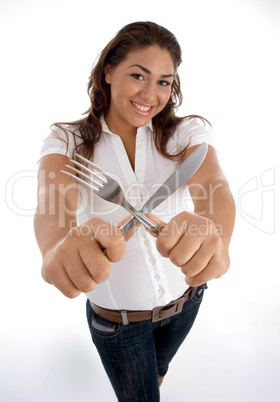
(194,244)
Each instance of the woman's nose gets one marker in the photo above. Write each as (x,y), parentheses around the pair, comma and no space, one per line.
(149,93)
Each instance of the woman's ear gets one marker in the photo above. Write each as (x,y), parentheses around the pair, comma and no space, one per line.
(107,73)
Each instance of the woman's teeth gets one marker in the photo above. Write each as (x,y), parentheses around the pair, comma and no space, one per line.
(141,108)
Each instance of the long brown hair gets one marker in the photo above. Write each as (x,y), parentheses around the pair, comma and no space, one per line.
(133,36)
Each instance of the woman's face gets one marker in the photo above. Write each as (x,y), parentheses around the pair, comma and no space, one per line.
(140,88)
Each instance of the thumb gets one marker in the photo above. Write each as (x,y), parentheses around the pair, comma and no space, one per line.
(159,222)
(155,219)
(133,231)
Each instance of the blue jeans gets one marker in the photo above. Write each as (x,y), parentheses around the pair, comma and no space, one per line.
(134,355)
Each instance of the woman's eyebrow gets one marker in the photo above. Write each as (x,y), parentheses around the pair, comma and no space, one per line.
(149,72)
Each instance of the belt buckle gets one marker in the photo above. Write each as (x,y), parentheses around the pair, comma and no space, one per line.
(179,307)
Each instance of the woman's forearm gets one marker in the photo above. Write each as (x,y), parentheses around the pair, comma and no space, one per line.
(215,202)
(56,202)
(51,221)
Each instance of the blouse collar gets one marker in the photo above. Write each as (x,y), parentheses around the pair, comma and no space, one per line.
(107,130)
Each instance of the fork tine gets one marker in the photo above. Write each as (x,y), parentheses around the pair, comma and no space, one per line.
(97,183)
(89,170)
(80,180)
(93,165)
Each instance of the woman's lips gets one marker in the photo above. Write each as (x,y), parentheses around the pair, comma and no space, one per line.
(142,109)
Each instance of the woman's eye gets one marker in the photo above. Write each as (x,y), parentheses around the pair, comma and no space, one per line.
(138,77)
(164,83)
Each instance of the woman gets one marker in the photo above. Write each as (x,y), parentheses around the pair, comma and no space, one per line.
(132,132)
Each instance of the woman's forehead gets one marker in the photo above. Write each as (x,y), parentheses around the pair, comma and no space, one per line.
(152,56)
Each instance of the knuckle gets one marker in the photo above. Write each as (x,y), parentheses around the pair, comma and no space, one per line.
(94,220)
(116,257)
(117,242)
(116,250)
(193,282)
(217,240)
(188,271)
(176,259)
(198,264)
(71,293)
(45,274)
(183,215)
(87,286)
(224,267)
(103,273)
(48,271)
(162,246)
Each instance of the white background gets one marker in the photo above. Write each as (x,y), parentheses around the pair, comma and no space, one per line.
(230,75)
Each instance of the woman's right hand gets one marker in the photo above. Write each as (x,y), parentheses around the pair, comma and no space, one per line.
(78,262)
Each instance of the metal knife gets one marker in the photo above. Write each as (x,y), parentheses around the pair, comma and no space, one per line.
(181,175)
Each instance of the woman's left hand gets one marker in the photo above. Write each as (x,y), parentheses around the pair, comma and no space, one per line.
(194,244)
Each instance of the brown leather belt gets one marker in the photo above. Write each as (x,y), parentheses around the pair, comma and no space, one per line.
(157,314)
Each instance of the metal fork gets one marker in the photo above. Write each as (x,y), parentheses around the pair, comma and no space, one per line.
(107,188)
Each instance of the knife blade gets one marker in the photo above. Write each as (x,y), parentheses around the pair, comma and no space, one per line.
(181,175)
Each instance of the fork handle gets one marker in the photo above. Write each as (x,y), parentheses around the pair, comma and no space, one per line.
(129,225)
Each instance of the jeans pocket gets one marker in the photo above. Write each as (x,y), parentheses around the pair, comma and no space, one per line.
(198,295)
(108,329)
(101,327)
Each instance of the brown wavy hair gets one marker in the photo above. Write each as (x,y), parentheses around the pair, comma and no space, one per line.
(133,36)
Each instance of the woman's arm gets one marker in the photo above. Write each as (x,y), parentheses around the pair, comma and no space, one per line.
(211,195)
(199,242)
(56,202)
(73,260)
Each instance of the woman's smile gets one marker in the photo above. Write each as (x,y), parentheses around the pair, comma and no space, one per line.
(142,108)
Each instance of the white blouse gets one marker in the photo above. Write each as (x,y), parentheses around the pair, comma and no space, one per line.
(143,279)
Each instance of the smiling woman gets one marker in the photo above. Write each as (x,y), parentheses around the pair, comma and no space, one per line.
(129,40)
(144,293)
(138,92)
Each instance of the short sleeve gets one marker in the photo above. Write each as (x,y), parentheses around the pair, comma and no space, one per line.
(190,132)
(60,141)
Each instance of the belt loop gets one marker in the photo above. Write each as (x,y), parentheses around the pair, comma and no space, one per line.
(124,317)
(193,290)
